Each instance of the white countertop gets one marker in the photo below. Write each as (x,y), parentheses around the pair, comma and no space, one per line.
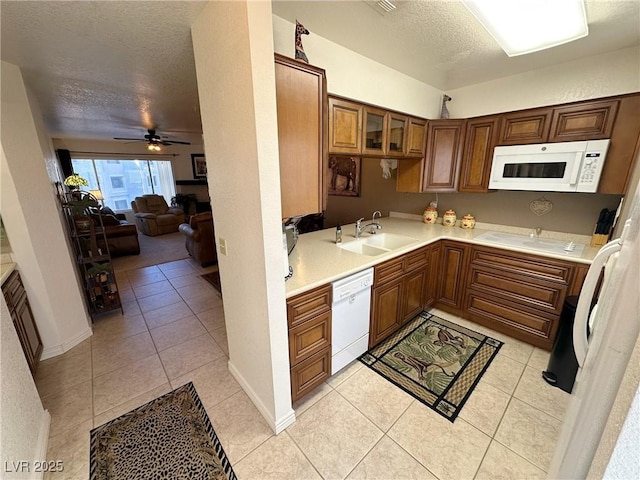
(5,271)
(317,260)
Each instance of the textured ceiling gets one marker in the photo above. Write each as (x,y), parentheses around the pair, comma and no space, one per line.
(103,69)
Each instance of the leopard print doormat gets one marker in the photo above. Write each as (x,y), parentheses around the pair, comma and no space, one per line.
(435,361)
(170,437)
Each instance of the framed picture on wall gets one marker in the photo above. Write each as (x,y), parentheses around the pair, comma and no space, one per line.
(343,176)
(199,164)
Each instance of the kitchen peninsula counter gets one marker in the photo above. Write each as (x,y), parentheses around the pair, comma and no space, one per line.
(317,260)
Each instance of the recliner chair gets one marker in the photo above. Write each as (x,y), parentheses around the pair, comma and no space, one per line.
(154,217)
(200,238)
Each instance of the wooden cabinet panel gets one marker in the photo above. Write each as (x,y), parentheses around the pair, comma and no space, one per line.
(345,126)
(433,275)
(480,139)
(534,266)
(308,305)
(416,259)
(309,338)
(443,155)
(584,121)
(414,294)
(416,137)
(454,260)
(388,270)
(624,148)
(301,109)
(386,313)
(310,373)
(546,296)
(579,273)
(525,127)
(375,131)
(23,320)
(528,325)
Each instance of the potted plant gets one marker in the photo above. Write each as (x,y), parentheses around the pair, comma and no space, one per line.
(80,208)
(75,181)
(100,271)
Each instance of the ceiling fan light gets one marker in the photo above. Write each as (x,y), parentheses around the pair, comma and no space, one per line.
(154,147)
(527,26)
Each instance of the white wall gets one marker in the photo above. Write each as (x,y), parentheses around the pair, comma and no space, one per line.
(24,424)
(233,47)
(32,220)
(598,76)
(351,75)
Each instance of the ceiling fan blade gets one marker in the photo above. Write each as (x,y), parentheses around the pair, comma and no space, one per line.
(175,141)
(132,139)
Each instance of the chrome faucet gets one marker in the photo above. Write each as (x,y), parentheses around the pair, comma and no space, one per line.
(373,226)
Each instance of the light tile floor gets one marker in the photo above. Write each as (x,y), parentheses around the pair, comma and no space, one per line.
(356,425)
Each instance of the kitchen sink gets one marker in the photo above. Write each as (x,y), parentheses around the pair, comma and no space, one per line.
(377,244)
(541,244)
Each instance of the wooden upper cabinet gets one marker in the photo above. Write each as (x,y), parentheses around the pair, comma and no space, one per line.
(584,121)
(480,139)
(443,155)
(396,137)
(416,137)
(345,126)
(624,148)
(374,141)
(525,127)
(301,106)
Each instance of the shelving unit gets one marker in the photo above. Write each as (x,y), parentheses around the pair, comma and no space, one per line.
(85,227)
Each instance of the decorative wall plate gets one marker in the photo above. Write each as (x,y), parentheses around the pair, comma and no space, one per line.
(541,206)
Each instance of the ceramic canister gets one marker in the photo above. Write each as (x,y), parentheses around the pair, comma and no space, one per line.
(430,215)
(468,221)
(449,218)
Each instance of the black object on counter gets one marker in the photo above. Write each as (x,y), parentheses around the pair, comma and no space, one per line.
(563,366)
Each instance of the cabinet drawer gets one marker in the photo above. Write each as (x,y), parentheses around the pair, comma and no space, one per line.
(13,289)
(532,265)
(528,291)
(416,259)
(308,305)
(308,338)
(310,373)
(388,270)
(521,322)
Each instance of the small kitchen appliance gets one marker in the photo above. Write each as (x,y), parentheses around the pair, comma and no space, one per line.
(549,167)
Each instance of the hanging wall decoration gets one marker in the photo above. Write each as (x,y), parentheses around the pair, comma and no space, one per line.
(541,206)
(343,176)
(444,112)
(300,30)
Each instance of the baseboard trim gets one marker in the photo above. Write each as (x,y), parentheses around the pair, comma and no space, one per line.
(43,440)
(276,425)
(56,350)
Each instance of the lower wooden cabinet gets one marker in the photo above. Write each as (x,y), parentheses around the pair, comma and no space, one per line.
(400,288)
(22,316)
(454,258)
(309,320)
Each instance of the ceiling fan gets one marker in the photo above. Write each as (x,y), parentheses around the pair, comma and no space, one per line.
(154,141)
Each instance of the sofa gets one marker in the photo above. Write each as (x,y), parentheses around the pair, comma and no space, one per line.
(122,236)
(154,217)
(200,239)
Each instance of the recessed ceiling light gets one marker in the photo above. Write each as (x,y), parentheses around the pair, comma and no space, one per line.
(527,26)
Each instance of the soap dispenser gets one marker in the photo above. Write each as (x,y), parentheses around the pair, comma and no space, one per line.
(338,234)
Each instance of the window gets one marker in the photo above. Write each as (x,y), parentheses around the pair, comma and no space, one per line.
(122,180)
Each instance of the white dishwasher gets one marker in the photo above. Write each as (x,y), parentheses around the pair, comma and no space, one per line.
(350,318)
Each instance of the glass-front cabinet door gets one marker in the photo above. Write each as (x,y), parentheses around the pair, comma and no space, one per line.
(374,132)
(397,134)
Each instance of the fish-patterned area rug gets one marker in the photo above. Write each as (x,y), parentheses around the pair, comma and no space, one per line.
(170,437)
(436,361)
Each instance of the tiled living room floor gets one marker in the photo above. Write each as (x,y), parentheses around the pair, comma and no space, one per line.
(356,425)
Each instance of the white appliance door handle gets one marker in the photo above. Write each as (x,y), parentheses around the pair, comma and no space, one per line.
(580,341)
(576,168)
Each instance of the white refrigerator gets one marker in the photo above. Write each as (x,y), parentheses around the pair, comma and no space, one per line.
(604,357)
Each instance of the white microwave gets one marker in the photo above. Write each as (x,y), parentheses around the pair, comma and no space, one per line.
(549,167)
